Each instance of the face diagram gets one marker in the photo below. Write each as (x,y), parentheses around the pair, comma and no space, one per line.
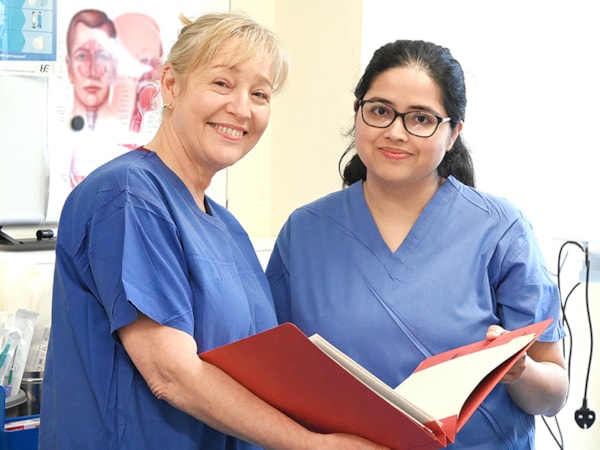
(91,68)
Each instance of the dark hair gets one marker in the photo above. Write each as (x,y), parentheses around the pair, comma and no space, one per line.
(92,18)
(439,64)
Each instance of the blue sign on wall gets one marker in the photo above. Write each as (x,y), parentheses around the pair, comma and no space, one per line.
(28,30)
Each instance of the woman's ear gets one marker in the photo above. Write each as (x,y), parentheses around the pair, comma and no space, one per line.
(168,84)
(356,105)
(454,136)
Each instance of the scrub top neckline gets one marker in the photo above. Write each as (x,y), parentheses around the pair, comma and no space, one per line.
(366,226)
(180,185)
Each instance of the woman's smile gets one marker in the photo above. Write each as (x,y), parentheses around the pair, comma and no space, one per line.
(394,153)
(229,132)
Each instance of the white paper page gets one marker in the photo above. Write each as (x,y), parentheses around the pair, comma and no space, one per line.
(371,381)
(442,390)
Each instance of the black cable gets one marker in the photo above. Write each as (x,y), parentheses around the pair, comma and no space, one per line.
(568,355)
(564,303)
(566,323)
(589,317)
(564,300)
(558,440)
(584,417)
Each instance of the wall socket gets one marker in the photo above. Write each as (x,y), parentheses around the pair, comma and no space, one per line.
(594,267)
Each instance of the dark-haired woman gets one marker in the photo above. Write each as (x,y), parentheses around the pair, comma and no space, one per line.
(410,260)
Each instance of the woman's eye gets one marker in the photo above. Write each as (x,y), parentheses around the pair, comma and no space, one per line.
(423,118)
(262,95)
(381,111)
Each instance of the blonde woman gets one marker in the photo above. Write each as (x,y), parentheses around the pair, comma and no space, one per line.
(150,271)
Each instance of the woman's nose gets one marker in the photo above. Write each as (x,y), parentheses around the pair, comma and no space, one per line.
(240,105)
(396,130)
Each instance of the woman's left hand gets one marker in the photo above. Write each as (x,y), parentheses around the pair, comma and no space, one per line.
(515,373)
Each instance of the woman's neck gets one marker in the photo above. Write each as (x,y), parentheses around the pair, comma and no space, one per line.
(192,176)
(396,209)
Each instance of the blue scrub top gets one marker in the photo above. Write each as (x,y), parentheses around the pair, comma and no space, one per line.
(131,238)
(469,261)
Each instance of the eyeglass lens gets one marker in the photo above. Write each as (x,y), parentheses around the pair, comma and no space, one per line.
(380,115)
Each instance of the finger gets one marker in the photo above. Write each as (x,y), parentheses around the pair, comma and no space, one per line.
(494,331)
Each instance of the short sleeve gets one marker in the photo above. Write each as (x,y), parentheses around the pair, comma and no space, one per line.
(138,263)
(525,292)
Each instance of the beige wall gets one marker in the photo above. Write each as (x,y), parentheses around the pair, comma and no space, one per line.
(296,161)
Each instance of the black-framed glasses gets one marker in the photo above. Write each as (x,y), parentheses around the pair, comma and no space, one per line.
(418,123)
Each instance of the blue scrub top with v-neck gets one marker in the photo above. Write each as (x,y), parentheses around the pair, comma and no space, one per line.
(469,261)
(131,238)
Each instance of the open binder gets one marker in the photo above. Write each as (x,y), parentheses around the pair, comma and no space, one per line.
(323,389)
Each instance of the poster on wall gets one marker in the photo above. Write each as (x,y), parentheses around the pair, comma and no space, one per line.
(27,37)
(103,98)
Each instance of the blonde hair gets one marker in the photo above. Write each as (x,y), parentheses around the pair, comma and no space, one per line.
(200,39)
